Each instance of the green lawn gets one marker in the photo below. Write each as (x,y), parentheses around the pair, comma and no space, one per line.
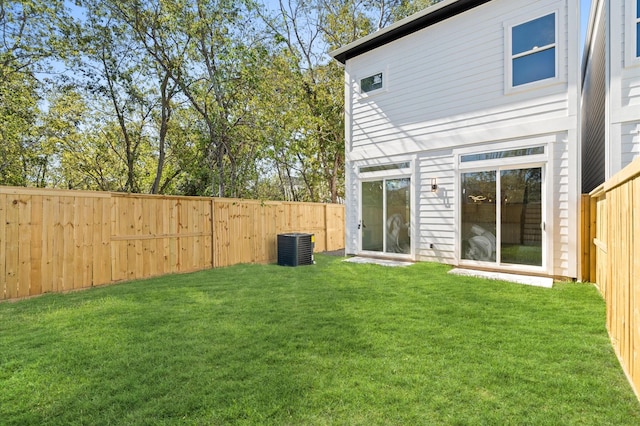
(333,343)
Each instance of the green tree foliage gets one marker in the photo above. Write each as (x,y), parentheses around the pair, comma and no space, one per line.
(30,34)
(209,51)
(18,111)
(199,97)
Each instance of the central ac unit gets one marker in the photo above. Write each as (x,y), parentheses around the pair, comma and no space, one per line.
(295,249)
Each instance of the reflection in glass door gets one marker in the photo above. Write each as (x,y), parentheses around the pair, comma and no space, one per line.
(479,216)
(385,216)
(504,229)
(521,218)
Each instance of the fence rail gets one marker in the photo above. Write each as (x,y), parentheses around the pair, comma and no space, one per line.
(54,240)
(615,262)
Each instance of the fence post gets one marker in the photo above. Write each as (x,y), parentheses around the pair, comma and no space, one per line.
(213,233)
(593,227)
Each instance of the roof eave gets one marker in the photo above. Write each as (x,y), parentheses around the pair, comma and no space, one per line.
(423,19)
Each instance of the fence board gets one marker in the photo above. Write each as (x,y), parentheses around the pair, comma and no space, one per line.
(57,255)
(103,259)
(46,261)
(68,267)
(3,245)
(12,259)
(24,248)
(36,243)
(593,206)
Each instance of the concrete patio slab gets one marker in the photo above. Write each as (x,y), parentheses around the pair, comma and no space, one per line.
(382,262)
(519,279)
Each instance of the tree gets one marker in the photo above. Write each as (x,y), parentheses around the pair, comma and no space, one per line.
(314,148)
(210,53)
(18,112)
(31,34)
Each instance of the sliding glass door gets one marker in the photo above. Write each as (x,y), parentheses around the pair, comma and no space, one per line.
(501,216)
(385,211)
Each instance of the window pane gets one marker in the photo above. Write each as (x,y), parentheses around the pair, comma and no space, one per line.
(521,216)
(637,8)
(384,167)
(539,32)
(479,216)
(372,216)
(502,154)
(534,67)
(371,83)
(638,38)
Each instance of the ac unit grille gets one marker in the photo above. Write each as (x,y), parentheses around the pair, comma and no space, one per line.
(295,249)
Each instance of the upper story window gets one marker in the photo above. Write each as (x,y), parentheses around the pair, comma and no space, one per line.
(372,83)
(631,33)
(637,28)
(534,50)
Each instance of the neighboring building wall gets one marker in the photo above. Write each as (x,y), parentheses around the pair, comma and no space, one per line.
(624,93)
(611,92)
(593,103)
(445,89)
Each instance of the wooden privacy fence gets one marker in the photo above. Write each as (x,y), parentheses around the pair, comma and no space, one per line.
(614,262)
(55,240)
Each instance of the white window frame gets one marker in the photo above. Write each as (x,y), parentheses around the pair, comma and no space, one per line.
(527,161)
(509,57)
(630,37)
(362,95)
(394,173)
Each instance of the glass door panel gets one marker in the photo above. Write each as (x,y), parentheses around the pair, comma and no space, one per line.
(521,216)
(478,224)
(506,232)
(372,216)
(386,208)
(398,209)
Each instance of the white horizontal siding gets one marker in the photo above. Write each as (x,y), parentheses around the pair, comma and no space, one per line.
(624,65)
(436,210)
(373,128)
(563,208)
(630,143)
(624,90)
(449,77)
(352,197)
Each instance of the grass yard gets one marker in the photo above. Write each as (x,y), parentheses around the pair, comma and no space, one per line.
(333,343)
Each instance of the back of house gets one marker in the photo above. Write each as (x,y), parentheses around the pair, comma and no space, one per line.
(462,137)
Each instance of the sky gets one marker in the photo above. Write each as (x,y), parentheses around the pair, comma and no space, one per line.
(584,19)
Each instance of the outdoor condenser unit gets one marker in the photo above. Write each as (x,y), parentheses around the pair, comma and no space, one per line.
(295,249)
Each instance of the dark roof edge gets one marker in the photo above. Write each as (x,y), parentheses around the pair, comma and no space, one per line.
(429,16)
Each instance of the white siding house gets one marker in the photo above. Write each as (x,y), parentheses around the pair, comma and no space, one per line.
(462,137)
(611,90)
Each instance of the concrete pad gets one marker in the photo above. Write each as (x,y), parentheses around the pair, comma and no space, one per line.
(519,279)
(382,262)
